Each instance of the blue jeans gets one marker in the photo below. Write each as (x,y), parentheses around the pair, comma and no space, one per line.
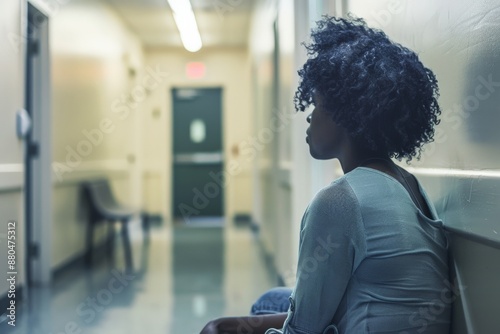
(272,302)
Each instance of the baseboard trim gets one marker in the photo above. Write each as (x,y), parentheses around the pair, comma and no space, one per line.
(98,252)
(155,219)
(243,219)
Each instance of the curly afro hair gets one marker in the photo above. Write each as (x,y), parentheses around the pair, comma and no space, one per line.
(379,91)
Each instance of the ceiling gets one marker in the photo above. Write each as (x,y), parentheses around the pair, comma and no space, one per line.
(222,23)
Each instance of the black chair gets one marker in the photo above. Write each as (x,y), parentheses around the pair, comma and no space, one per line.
(104,207)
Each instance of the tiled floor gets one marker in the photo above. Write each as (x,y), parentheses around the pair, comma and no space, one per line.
(183,278)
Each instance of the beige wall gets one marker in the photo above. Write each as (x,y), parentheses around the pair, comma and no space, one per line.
(102,88)
(264,100)
(98,92)
(284,173)
(11,157)
(226,68)
(458,40)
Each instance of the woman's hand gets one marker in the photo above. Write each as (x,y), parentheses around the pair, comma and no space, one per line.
(257,324)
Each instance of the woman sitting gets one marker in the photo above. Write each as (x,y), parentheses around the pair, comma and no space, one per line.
(372,253)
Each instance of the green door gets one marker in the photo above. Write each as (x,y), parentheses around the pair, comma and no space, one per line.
(198,186)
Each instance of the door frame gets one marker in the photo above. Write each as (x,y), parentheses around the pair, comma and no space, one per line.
(171,152)
(38,166)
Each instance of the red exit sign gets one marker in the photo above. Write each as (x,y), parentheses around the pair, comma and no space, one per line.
(195,70)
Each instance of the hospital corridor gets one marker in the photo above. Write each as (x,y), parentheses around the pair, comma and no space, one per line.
(157,174)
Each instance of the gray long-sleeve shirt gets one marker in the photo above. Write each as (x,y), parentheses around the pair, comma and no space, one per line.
(370,262)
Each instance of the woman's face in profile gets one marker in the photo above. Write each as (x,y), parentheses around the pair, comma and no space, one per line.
(324,137)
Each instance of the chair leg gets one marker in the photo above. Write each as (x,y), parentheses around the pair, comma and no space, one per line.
(90,238)
(126,246)
(145,225)
(111,238)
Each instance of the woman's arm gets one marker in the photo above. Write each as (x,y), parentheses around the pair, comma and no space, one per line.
(257,324)
(329,252)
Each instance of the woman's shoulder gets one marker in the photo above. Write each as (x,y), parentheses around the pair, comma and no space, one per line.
(336,206)
(355,188)
(359,188)
(347,186)
(369,183)
(337,196)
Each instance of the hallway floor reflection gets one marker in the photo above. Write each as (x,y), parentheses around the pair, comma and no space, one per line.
(185,276)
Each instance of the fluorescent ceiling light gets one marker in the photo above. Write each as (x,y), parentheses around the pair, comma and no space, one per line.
(186,23)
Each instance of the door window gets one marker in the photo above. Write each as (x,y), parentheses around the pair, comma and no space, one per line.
(197,131)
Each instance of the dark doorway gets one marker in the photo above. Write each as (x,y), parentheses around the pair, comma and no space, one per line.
(198,160)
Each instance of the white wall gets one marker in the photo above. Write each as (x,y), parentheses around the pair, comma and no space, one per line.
(11,157)
(264,98)
(97,64)
(286,177)
(226,68)
(272,48)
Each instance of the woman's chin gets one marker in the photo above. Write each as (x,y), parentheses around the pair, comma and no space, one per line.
(314,154)
(320,156)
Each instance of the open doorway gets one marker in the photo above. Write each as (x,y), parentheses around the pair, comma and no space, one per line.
(38,157)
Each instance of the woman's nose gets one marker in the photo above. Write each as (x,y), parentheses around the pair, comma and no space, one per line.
(308,119)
